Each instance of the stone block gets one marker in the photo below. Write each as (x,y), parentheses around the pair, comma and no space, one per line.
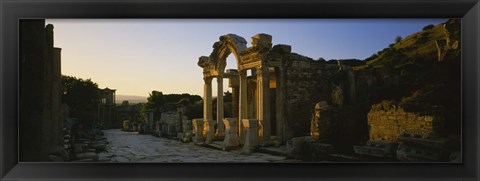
(417,154)
(322,125)
(231,133)
(422,139)
(198,131)
(187,126)
(294,147)
(251,135)
(185,137)
(262,41)
(380,149)
(313,150)
(209,130)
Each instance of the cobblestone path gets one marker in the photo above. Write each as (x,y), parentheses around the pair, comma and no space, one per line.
(133,147)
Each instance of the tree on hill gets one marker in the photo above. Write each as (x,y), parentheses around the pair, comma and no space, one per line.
(159,102)
(428,27)
(125,103)
(155,99)
(398,39)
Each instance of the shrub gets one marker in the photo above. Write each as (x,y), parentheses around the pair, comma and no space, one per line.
(427,27)
(398,39)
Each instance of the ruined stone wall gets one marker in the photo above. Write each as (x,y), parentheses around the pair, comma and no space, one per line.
(31,93)
(171,123)
(387,121)
(306,83)
(39,94)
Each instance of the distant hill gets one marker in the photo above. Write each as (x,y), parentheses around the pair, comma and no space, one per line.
(131,99)
(417,48)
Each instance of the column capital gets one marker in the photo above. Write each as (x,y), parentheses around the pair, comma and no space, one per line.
(207,80)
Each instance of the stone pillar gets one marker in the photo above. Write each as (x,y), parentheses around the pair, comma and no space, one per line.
(207,98)
(242,106)
(263,104)
(231,137)
(233,82)
(198,131)
(252,96)
(251,135)
(209,126)
(207,109)
(220,113)
(235,102)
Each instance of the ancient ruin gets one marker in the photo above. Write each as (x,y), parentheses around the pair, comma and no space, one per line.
(281,103)
(107,109)
(41,109)
(280,84)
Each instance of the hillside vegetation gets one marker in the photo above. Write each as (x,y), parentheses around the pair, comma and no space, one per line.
(423,72)
(416,48)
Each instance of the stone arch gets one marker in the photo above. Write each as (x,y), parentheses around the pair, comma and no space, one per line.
(228,44)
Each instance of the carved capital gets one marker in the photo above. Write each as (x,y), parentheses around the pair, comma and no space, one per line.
(207,80)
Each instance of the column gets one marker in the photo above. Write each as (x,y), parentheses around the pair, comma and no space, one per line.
(235,102)
(242,107)
(263,103)
(220,114)
(207,98)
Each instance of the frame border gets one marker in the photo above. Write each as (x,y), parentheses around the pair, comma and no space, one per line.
(12,10)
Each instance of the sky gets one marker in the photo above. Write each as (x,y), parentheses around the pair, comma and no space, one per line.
(136,56)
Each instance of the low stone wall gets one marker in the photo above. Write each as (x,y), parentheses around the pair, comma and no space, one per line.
(170,124)
(387,121)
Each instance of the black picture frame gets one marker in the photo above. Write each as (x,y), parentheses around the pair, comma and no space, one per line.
(11,11)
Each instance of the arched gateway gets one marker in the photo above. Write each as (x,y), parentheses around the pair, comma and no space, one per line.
(254,105)
(275,102)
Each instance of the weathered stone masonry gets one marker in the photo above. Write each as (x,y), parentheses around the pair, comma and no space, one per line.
(387,121)
(39,95)
(281,89)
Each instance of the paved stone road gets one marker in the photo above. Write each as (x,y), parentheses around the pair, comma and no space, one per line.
(133,147)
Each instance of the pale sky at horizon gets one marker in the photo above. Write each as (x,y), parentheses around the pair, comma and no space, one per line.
(136,56)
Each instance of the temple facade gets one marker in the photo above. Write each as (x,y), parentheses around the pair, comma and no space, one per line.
(273,90)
